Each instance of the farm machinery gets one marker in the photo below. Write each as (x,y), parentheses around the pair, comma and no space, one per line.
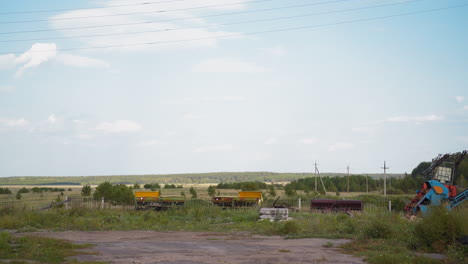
(438,190)
(154,200)
(243,199)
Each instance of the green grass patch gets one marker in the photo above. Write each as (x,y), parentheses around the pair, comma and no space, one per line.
(38,249)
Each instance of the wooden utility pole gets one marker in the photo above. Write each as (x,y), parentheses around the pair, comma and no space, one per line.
(348,177)
(385,178)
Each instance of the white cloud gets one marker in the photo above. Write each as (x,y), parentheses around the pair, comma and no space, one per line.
(308,141)
(52,119)
(465,107)
(35,56)
(275,51)
(228,65)
(415,118)
(7,61)
(271,141)
(179,25)
(459,98)
(215,148)
(80,61)
(40,53)
(119,126)
(338,146)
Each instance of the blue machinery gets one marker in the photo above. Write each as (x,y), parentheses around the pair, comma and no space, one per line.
(434,193)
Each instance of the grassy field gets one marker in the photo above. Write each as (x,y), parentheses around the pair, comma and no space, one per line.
(187,178)
(375,234)
(378,235)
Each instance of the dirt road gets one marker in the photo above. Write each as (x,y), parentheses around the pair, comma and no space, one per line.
(144,247)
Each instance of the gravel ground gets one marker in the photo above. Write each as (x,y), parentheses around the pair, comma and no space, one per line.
(144,247)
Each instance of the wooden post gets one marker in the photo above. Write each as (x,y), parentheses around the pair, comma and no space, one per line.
(299,203)
(390,206)
(66,204)
(102,203)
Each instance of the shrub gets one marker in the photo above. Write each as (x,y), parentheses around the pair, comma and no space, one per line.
(289,228)
(377,228)
(440,229)
(117,194)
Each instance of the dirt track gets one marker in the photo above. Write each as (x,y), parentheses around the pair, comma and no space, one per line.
(203,247)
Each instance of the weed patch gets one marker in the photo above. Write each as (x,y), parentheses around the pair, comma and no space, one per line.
(43,250)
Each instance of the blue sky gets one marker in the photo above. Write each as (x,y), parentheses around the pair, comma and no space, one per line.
(359,93)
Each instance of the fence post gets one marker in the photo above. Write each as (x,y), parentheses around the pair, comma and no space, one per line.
(102,203)
(390,206)
(299,203)
(66,203)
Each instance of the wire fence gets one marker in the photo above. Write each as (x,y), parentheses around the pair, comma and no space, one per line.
(297,204)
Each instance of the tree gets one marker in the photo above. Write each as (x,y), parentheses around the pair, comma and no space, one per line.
(420,169)
(18,195)
(289,191)
(193,192)
(271,190)
(211,191)
(136,186)
(117,194)
(86,190)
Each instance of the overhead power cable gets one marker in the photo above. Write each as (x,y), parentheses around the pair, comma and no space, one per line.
(135,13)
(86,8)
(176,19)
(216,25)
(248,33)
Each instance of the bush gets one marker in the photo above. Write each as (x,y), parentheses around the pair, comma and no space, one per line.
(117,194)
(378,228)
(440,229)
(5,191)
(290,228)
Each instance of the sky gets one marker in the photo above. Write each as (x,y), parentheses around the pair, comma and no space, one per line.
(184,86)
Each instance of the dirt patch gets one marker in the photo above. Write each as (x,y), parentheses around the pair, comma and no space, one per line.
(144,247)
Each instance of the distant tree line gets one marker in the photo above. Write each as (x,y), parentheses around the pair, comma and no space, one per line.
(5,191)
(152,186)
(173,186)
(244,186)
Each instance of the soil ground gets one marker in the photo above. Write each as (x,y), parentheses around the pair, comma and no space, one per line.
(144,247)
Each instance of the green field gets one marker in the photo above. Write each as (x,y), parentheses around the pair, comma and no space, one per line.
(188,178)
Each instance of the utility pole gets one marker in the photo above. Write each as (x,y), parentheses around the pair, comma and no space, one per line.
(348,177)
(318,173)
(385,178)
(315,175)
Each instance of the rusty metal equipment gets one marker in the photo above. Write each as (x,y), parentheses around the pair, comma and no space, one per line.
(333,206)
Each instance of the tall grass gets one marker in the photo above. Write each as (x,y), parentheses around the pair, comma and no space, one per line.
(387,233)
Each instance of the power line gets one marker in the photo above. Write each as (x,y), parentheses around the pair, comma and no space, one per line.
(177,19)
(85,8)
(216,25)
(249,33)
(135,13)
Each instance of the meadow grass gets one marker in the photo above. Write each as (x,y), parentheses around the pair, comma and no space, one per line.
(32,249)
(380,237)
